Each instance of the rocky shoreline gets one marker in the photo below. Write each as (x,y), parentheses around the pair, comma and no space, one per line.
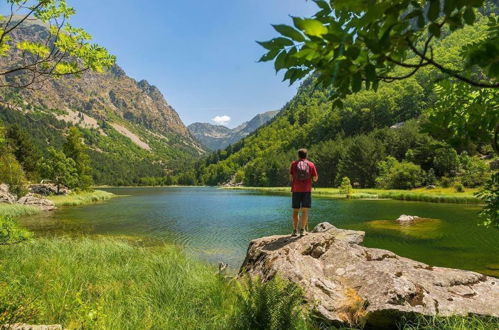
(347,283)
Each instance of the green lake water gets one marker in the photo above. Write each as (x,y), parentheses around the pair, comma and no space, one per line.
(217,225)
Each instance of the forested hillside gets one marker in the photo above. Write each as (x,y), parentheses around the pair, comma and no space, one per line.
(376,138)
(132,133)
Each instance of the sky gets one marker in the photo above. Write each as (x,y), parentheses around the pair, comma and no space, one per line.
(202,55)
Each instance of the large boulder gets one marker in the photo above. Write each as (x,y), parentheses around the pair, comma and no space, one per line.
(349,283)
(38,201)
(5,195)
(47,189)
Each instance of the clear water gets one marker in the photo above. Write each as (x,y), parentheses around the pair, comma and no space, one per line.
(217,224)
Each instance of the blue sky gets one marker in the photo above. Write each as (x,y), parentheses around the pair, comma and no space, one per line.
(201,54)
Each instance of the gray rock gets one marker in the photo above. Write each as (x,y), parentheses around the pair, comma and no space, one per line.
(349,283)
(5,195)
(407,218)
(47,189)
(322,227)
(20,326)
(38,201)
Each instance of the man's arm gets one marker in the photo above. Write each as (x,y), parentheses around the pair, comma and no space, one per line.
(315,175)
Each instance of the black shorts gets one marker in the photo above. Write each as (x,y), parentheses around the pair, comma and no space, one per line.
(302,199)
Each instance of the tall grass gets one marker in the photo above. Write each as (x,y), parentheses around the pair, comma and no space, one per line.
(110,284)
(81,198)
(17,210)
(451,323)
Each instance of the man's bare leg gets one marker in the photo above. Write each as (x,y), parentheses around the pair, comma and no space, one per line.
(295,219)
(304,218)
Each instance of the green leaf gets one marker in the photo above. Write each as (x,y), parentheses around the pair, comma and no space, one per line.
(269,56)
(356,82)
(289,32)
(353,52)
(434,10)
(280,61)
(434,29)
(469,16)
(311,27)
(370,72)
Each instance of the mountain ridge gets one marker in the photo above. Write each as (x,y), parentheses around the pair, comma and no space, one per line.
(127,124)
(217,137)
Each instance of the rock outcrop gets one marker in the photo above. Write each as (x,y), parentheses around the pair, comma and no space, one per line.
(37,201)
(47,189)
(5,195)
(20,326)
(407,218)
(349,283)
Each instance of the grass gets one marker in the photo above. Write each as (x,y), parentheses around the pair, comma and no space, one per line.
(451,323)
(108,283)
(438,195)
(17,210)
(104,283)
(81,198)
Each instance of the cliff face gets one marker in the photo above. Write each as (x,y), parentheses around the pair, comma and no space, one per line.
(127,124)
(218,137)
(103,96)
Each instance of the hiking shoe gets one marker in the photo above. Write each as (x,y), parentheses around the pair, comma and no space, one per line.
(294,234)
(302,232)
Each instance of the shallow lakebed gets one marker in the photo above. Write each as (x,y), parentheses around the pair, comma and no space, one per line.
(217,224)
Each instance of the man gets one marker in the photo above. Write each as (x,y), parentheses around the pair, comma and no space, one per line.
(301,173)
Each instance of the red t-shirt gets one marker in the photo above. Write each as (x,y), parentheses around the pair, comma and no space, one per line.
(302,185)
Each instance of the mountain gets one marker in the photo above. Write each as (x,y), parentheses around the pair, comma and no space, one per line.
(130,128)
(217,137)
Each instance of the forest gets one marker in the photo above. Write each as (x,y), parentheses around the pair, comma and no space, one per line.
(401,136)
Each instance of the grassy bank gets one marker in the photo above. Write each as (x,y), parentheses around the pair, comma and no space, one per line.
(438,195)
(110,284)
(105,283)
(81,198)
(17,210)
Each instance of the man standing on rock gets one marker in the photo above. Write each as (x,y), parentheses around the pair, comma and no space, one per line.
(301,173)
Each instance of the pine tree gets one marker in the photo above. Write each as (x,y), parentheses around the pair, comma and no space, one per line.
(22,146)
(75,149)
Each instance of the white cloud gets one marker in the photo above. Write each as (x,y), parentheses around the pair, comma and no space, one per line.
(221,120)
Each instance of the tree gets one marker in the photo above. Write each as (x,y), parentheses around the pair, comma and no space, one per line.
(11,173)
(399,175)
(348,43)
(490,195)
(361,159)
(75,149)
(65,50)
(464,115)
(22,146)
(346,187)
(60,169)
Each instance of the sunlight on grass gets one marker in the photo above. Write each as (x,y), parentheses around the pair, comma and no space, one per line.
(106,283)
(17,210)
(421,228)
(438,195)
(81,198)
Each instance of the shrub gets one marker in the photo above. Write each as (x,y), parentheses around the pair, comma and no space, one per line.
(474,171)
(275,304)
(399,175)
(346,187)
(10,233)
(12,174)
(458,187)
(446,182)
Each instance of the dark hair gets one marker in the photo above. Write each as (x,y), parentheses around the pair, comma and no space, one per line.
(302,153)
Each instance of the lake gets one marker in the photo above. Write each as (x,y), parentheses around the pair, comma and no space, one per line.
(217,224)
